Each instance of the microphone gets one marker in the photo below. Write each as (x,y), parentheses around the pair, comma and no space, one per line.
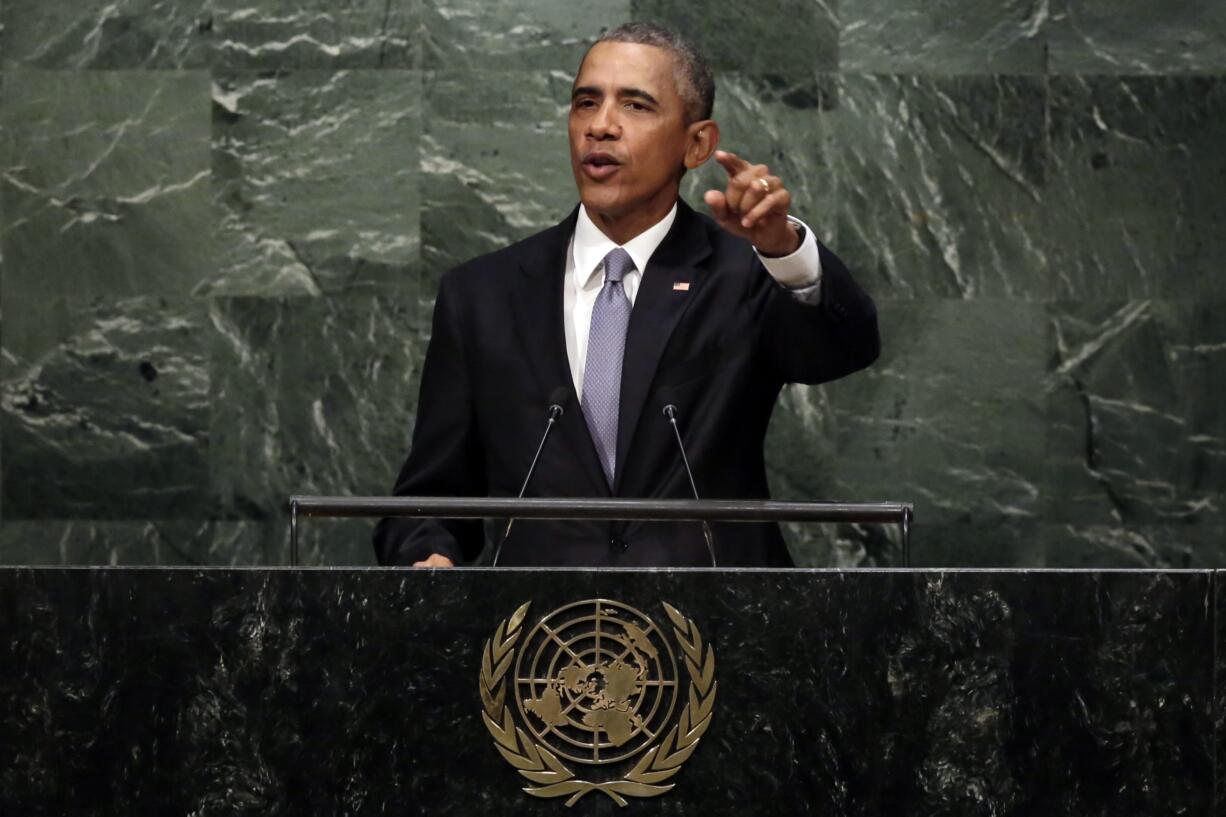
(556,398)
(670,411)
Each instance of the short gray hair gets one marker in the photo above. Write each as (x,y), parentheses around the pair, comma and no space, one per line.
(697,85)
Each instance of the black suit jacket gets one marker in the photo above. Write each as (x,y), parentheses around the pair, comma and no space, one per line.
(720,350)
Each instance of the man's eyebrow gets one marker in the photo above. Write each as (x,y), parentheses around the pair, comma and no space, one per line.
(630,93)
(637,93)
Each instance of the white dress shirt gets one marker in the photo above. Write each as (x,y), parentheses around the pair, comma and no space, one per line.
(800,273)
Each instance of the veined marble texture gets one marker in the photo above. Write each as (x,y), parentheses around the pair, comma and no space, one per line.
(106,34)
(105,185)
(495,163)
(840,694)
(1137,36)
(1132,546)
(105,377)
(293,34)
(312,396)
(1135,470)
(111,421)
(171,542)
(544,35)
(944,36)
(952,424)
(940,184)
(315,182)
(959,434)
(1134,187)
(790,38)
(1136,430)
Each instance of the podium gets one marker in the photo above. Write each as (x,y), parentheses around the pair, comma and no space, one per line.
(289,691)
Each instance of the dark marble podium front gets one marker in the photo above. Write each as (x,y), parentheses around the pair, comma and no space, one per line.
(355,691)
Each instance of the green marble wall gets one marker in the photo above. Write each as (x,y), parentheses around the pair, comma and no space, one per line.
(222,224)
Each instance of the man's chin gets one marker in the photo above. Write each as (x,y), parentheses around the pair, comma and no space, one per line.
(602,201)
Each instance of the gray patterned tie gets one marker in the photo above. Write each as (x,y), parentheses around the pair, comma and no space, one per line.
(606,346)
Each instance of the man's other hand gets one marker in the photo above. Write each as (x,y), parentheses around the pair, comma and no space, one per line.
(755,206)
(435,560)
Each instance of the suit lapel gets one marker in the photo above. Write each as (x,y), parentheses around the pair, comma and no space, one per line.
(658,307)
(537,307)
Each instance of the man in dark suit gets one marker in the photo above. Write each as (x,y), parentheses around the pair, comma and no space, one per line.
(632,303)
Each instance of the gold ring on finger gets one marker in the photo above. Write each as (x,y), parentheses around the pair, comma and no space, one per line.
(766,185)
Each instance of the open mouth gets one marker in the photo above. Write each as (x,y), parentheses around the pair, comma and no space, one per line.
(600,159)
(600,165)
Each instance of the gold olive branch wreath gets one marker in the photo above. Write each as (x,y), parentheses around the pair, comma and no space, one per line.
(541,766)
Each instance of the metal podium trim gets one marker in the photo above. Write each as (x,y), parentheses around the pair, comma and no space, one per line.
(690,510)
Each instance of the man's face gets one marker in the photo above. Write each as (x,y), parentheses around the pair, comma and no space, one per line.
(628,134)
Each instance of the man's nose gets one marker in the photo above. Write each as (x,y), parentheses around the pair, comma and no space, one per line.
(604,123)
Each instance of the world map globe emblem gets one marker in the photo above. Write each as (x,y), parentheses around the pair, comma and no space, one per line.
(596,681)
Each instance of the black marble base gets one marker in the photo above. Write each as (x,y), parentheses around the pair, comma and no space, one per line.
(218,691)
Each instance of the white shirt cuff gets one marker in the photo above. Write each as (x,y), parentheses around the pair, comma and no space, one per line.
(801,271)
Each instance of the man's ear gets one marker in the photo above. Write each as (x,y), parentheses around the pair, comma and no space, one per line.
(703,139)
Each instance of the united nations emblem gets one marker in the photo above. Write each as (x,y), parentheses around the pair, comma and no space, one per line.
(596,683)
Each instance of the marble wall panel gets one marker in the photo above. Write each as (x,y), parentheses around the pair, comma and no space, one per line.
(1137,36)
(105,185)
(950,418)
(943,37)
(111,420)
(976,443)
(1173,545)
(105,34)
(940,184)
(327,542)
(495,162)
(315,182)
(138,542)
(1136,435)
(290,34)
(985,541)
(322,542)
(1133,201)
(549,35)
(311,396)
(790,38)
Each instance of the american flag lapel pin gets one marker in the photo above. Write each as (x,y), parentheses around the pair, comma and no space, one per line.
(681,286)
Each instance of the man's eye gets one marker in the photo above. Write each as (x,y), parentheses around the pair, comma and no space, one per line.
(636,106)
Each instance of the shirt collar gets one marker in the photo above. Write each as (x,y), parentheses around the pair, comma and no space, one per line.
(590,245)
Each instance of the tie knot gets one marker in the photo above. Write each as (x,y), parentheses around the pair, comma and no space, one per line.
(616,264)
